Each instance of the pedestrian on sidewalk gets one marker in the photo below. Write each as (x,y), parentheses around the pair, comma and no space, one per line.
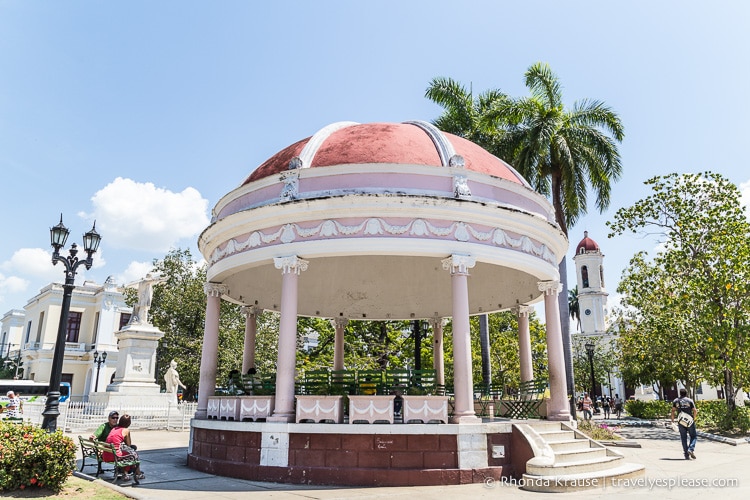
(685,410)
(607,406)
(586,406)
(618,406)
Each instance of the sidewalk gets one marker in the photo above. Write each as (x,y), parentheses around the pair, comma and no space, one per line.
(164,456)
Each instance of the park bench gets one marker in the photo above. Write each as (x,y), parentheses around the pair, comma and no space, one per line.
(525,402)
(94,450)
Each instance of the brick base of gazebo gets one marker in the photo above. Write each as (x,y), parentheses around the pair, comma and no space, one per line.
(358,454)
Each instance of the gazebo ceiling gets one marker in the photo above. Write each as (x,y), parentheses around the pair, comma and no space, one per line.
(374,209)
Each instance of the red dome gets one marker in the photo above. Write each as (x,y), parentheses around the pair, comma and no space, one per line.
(412,143)
(587,245)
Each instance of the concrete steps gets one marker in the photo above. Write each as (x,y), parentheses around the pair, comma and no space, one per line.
(567,460)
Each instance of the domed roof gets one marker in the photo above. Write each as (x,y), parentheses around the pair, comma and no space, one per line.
(587,245)
(409,143)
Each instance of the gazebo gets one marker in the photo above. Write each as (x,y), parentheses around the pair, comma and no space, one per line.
(379,221)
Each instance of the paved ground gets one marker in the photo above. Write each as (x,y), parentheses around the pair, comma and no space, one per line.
(720,471)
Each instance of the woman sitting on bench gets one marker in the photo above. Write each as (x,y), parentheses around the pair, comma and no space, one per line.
(120,438)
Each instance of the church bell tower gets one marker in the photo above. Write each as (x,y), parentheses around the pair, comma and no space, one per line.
(592,296)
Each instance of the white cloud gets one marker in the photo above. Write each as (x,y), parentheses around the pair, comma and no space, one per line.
(140,216)
(34,262)
(134,272)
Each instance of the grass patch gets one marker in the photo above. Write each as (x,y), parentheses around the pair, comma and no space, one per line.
(74,487)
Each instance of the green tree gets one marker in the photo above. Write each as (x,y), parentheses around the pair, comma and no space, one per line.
(573,306)
(463,114)
(700,277)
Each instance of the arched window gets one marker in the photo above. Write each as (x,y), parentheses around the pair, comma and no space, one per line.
(585,276)
(601,275)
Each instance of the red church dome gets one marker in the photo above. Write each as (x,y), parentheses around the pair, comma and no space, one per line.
(587,245)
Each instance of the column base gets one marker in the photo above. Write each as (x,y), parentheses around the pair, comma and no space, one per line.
(469,418)
(201,414)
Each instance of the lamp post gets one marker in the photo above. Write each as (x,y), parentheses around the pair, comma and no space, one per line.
(590,353)
(99,360)
(58,237)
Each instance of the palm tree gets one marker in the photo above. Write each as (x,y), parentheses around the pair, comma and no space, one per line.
(464,115)
(561,152)
(573,306)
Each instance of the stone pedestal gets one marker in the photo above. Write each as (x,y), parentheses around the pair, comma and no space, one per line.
(135,375)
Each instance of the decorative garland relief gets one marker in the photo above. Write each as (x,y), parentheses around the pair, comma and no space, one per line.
(376,227)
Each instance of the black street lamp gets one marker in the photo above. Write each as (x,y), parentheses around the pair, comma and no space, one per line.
(58,237)
(99,360)
(590,353)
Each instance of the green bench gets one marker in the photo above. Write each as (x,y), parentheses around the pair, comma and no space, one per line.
(94,450)
(525,402)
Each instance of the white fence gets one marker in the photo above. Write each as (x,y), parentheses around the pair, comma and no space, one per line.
(83,416)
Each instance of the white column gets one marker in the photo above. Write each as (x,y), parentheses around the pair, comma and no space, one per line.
(557,407)
(210,352)
(251,330)
(524,342)
(463,382)
(438,359)
(291,267)
(339,325)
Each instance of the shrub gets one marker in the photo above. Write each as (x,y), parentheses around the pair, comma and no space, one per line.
(33,458)
(648,409)
(598,432)
(715,415)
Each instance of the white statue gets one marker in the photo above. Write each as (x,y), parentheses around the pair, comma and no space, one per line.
(145,294)
(172,378)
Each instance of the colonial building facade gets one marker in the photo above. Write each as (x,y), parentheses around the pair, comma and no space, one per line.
(97,311)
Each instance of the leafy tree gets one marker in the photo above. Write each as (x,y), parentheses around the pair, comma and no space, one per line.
(698,282)
(605,362)
(504,355)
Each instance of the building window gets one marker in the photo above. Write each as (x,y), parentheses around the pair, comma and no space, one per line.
(601,275)
(585,276)
(124,320)
(74,326)
(96,328)
(39,328)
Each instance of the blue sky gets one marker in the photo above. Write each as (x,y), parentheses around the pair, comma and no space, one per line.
(142,114)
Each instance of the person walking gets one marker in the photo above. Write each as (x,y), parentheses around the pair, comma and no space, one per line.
(685,411)
(586,407)
(606,406)
(618,406)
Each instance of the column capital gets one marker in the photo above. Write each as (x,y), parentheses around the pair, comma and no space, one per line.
(459,264)
(215,289)
(522,310)
(436,321)
(339,322)
(248,311)
(290,264)
(550,287)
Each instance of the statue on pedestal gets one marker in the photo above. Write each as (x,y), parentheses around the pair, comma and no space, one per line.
(145,294)
(172,378)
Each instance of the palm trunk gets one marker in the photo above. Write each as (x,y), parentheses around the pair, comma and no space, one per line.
(484,342)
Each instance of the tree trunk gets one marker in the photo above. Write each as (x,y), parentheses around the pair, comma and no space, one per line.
(484,342)
(562,301)
(417,329)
